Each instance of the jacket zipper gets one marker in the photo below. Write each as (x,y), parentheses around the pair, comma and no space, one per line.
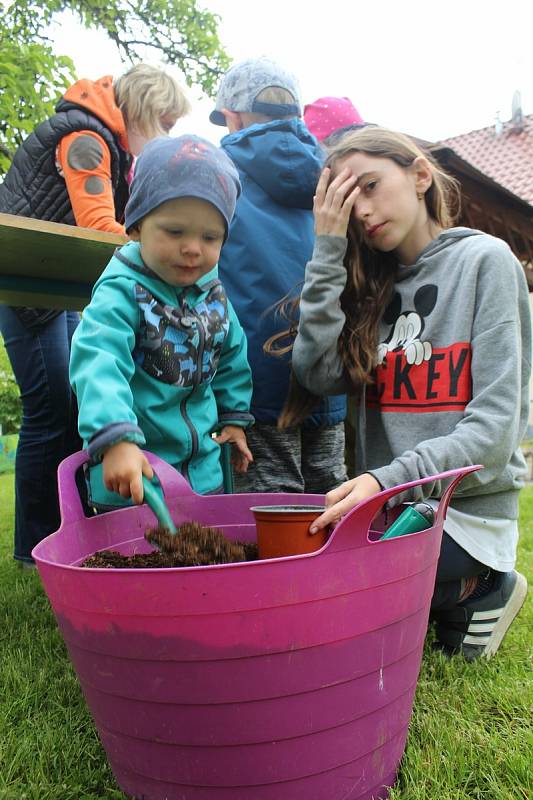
(196,381)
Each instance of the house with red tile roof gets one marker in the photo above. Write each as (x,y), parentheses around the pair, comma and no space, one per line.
(491,207)
(494,167)
(504,152)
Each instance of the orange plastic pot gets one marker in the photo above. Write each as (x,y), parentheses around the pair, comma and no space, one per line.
(284,530)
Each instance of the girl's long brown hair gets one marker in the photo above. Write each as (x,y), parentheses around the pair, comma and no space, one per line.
(371,274)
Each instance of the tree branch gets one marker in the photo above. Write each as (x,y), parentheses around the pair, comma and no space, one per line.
(128,44)
(5,152)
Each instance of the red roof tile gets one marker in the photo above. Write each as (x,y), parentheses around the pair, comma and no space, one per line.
(507,158)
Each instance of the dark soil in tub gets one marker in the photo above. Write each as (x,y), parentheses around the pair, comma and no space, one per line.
(193,546)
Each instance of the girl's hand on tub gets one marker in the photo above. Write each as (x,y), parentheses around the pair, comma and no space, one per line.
(240,453)
(333,202)
(124,464)
(342,499)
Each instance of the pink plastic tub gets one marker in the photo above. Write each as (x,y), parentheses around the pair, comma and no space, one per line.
(286,679)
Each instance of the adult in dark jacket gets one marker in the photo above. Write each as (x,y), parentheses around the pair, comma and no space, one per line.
(72,169)
(270,241)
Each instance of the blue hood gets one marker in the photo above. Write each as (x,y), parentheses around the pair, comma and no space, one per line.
(270,241)
(282,157)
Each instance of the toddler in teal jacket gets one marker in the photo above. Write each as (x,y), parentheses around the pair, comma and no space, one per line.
(159,359)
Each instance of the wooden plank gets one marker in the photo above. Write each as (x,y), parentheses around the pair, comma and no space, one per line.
(50,265)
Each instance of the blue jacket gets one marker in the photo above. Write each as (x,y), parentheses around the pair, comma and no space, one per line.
(159,366)
(270,241)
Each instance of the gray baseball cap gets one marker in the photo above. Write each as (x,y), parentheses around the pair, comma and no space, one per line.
(244,81)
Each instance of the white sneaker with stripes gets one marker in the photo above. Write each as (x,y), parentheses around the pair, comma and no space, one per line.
(476,627)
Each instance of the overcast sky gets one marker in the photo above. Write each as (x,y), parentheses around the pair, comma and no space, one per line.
(432,69)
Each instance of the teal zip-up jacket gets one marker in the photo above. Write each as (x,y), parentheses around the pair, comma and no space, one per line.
(161,366)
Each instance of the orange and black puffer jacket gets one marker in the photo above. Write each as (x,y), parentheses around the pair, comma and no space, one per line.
(34,186)
(35,183)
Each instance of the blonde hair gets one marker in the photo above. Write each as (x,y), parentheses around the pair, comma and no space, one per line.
(275,95)
(144,94)
(371,274)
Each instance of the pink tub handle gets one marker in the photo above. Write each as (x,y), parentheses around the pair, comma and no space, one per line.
(174,484)
(365,512)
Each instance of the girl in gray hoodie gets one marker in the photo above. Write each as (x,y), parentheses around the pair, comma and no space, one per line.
(429,326)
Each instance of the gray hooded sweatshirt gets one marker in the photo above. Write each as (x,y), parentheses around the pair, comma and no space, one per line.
(454,360)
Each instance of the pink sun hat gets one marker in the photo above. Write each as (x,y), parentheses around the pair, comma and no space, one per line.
(328,114)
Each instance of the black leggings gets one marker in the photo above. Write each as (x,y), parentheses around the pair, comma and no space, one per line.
(453,565)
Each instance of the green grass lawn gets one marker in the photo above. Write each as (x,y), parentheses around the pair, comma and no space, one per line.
(470,736)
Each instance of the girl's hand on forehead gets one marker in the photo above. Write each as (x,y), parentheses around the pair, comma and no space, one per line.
(334,201)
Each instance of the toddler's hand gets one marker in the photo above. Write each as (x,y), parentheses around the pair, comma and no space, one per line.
(334,202)
(124,464)
(340,500)
(240,454)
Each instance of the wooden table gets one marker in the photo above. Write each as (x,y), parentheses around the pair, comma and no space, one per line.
(50,265)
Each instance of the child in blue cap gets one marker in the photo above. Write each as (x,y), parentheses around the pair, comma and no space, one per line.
(270,241)
(159,359)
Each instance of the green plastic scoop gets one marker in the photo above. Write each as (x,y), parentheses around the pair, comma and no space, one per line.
(158,506)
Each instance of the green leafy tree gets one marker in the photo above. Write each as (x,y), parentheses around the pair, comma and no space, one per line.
(32,76)
(31,79)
